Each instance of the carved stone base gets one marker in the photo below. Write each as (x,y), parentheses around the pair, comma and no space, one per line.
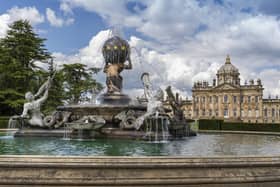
(115,99)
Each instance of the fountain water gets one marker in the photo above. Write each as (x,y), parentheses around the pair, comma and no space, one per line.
(66,135)
(157,128)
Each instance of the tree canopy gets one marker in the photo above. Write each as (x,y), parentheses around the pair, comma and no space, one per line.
(78,82)
(20,49)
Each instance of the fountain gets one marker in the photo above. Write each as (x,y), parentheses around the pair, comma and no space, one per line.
(115,115)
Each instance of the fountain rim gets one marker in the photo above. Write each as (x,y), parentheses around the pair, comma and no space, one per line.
(162,170)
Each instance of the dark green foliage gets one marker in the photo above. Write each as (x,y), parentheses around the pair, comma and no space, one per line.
(204,124)
(233,126)
(79,82)
(4,122)
(18,73)
(270,127)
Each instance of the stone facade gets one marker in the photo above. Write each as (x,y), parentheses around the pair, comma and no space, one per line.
(227,99)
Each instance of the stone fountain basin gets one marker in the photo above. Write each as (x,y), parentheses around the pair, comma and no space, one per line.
(85,126)
(106,111)
(140,171)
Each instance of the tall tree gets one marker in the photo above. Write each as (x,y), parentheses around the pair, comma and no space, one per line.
(79,82)
(19,51)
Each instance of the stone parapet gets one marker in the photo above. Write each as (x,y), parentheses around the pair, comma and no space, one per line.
(139,171)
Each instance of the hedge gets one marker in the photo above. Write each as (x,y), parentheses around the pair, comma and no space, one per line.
(233,126)
(205,124)
(4,122)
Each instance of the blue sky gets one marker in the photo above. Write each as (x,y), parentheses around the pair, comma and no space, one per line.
(177,42)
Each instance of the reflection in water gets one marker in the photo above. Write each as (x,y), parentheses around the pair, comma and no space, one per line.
(201,145)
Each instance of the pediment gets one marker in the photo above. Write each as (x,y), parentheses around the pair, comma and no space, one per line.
(226,86)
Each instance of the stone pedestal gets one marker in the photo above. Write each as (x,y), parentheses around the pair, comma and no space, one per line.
(115,99)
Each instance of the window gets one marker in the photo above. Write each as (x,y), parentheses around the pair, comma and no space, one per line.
(234,112)
(256,99)
(265,112)
(273,112)
(210,99)
(210,112)
(225,98)
(226,113)
(249,99)
(217,99)
(203,99)
(217,113)
(234,99)
(203,112)
(241,99)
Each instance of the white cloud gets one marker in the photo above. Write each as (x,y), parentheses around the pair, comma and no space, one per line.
(29,13)
(4,24)
(56,21)
(190,39)
(26,13)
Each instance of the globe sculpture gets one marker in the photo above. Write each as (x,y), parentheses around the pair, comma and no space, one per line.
(116,53)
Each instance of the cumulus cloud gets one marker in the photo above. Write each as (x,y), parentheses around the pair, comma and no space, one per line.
(26,13)
(29,13)
(188,41)
(56,21)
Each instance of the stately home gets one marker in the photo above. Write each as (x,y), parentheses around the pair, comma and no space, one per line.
(227,99)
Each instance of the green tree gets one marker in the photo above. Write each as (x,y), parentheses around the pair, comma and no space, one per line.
(19,51)
(79,82)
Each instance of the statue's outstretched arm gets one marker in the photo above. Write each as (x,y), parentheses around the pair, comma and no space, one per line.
(42,88)
(46,94)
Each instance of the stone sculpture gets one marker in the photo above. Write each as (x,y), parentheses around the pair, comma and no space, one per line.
(175,105)
(116,52)
(126,119)
(57,119)
(154,107)
(145,78)
(31,109)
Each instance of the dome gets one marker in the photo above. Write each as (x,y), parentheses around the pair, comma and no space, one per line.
(228,68)
(115,50)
